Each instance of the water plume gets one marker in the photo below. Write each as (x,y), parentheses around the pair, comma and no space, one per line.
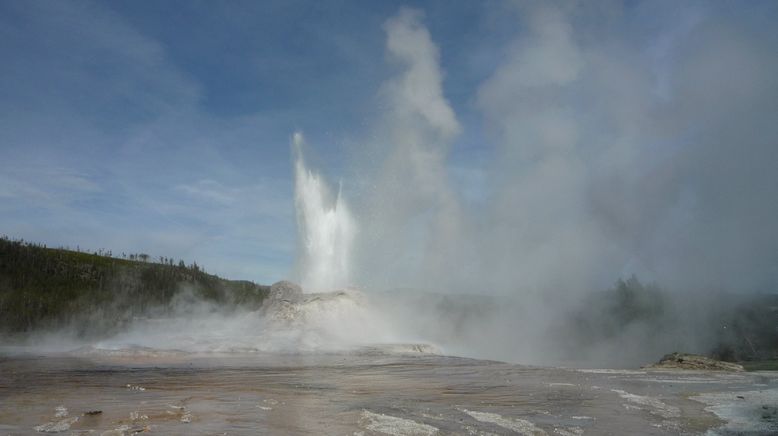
(605,163)
(325,228)
(602,166)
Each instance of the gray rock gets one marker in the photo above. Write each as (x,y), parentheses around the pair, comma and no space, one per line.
(694,362)
(285,291)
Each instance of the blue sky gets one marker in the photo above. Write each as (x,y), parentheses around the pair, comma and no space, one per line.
(164,127)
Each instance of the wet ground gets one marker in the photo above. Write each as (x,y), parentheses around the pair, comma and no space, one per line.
(371,392)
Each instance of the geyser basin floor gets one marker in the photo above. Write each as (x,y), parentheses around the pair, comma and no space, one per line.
(368,393)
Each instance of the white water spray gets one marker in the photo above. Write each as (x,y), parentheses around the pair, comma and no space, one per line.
(326,229)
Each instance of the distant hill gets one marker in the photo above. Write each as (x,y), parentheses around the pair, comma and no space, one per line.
(95,293)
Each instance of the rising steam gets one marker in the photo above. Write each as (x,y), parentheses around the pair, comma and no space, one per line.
(607,161)
(605,165)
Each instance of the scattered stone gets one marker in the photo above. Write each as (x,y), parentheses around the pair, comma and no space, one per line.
(392,425)
(60,412)
(694,362)
(181,413)
(517,425)
(118,431)
(56,427)
(568,431)
(654,405)
(137,416)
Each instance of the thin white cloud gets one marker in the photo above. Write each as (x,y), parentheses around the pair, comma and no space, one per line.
(209,190)
(106,131)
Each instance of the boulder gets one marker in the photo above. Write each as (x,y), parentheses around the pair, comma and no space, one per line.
(285,291)
(694,362)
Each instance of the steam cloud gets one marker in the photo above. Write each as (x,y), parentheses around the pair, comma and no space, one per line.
(606,164)
(414,215)
(612,158)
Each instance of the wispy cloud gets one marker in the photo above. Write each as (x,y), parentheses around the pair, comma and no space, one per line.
(210,191)
(607,138)
(102,133)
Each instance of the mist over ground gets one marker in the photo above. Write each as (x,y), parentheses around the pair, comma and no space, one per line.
(605,167)
(604,194)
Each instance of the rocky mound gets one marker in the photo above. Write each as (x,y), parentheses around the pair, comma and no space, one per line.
(285,291)
(694,362)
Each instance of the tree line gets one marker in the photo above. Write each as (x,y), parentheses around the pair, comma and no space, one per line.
(102,252)
(43,287)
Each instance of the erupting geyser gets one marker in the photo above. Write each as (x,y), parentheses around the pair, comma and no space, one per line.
(325,226)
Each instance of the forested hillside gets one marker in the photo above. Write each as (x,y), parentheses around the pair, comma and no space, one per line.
(732,327)
(44,287)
